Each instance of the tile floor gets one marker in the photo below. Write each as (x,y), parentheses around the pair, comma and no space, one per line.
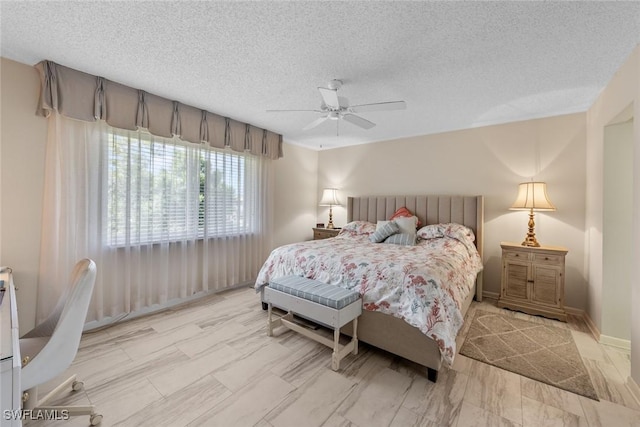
(210,363)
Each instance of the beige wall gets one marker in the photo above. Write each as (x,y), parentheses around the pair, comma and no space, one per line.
(488,161)
(296,180)
(22,138)
(617,222)
(620,98)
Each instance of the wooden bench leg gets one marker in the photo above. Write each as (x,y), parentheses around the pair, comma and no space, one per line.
(355,336)
(269,323)
(335,357)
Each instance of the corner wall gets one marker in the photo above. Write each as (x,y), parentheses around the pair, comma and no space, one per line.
(622,92)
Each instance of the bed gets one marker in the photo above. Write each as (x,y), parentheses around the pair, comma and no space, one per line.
(410,328)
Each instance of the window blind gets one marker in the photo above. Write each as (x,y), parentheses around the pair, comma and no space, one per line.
(163,190)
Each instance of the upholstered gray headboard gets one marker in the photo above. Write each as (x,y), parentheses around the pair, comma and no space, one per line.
(465,210)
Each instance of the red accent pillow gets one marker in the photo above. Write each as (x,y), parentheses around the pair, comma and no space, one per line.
(403,212)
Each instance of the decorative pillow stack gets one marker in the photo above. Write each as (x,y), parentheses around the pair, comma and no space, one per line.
(405,213)
(400,230)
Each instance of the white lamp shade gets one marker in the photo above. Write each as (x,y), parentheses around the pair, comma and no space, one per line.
(329,197)
(533,195)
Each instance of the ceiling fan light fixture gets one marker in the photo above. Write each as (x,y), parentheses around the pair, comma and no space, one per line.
(336,108)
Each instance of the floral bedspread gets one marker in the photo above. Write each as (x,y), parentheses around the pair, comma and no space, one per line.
(425,285)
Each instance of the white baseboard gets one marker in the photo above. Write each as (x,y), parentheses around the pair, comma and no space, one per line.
(634,389)
(595,332)
(616,342)
(108,321)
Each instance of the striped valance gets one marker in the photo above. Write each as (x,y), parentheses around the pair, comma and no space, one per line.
(86,97)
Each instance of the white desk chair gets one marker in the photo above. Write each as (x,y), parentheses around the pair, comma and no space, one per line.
(49,349)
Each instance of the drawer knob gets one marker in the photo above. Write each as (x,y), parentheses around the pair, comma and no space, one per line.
(546,258)
(517,255)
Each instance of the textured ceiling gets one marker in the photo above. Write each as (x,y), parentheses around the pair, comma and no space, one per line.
(456,64)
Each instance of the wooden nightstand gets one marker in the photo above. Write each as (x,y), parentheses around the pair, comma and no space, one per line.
(533,280)
(324,233)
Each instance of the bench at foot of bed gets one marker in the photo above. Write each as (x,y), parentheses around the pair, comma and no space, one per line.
(326,304)
(395,336)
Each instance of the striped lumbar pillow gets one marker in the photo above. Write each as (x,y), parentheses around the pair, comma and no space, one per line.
(406,239)
(381,233)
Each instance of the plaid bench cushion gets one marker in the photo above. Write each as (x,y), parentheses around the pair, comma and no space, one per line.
(313,290)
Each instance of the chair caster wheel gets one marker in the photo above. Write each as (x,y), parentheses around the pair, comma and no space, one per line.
(77,386)
(95,419)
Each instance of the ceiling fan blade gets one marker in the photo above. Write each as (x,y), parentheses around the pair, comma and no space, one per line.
(294,111)
(315,123)
(358,121)
(330,97)
(378,106)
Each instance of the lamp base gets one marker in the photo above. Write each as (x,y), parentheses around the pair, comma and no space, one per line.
(330,223)
(530,239)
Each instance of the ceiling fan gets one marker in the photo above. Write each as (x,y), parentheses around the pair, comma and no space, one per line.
(336,107)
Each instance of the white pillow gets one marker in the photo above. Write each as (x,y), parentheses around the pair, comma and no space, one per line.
(407,225)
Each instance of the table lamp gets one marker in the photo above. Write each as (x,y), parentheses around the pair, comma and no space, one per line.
(330,198)
(532,196)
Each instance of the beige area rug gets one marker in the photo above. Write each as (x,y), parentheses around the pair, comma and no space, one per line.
(540,352)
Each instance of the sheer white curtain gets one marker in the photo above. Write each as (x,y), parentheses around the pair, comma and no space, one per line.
(163,219)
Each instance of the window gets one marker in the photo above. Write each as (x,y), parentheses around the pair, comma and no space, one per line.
(163,190)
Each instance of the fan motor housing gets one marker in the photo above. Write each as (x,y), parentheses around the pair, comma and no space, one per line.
(334,84)
(344,105)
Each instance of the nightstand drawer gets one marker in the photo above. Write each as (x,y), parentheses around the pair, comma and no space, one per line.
(325,233)
(516,255)
(548,259)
